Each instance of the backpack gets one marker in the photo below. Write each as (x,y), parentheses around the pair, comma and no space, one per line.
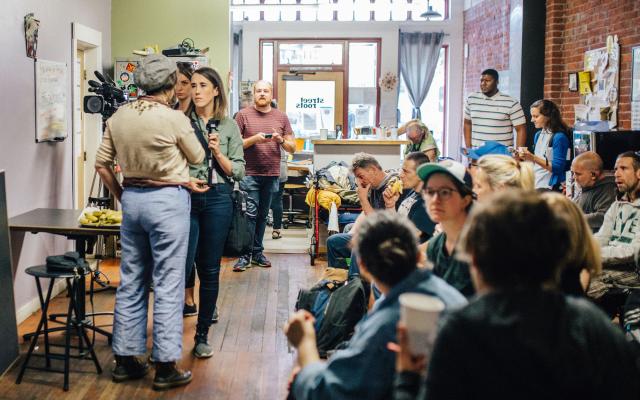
(238,241)
(337,308)
(69,262)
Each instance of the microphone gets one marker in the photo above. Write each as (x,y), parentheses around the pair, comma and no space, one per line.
(100,76)
(94,84)
(212,125)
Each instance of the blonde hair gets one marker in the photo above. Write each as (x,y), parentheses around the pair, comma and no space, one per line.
(584,251)
(506,172)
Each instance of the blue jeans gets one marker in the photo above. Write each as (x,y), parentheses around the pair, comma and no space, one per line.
(210,220)
(259,189)
(154,237)
(276,206)
(338,249)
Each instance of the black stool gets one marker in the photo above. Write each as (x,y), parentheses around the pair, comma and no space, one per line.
(72,324)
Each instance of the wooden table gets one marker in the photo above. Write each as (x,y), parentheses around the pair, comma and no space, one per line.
(63,222)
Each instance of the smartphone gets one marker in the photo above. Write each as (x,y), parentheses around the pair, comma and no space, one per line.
(268,135)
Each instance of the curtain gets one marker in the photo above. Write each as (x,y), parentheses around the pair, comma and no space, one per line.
(419,52)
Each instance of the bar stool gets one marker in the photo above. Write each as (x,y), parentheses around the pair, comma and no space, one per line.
(72,324)
(290,215)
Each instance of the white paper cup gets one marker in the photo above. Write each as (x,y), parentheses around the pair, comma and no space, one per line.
(420,314)
(394,133)
(323,134)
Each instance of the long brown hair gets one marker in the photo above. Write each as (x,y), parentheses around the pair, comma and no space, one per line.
(220,101)
(550,110)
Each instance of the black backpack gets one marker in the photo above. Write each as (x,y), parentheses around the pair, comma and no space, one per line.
(239,239)
(337,308)
(69,262)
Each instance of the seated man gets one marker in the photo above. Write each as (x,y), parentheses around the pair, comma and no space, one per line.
(372,182)
(597,191)
(619,236)
(520,338)
(421,138)
(410,203)
(387,252)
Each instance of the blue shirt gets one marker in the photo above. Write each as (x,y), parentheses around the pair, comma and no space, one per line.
(559,160)
(366,368)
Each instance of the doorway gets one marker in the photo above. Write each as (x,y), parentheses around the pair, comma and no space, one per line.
(312,101)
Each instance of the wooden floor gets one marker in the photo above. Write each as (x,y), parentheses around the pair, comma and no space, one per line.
(252,359)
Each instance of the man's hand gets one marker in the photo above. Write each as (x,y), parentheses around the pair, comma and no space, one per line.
(300,329)
(405,361)
(198,186)
(362,191)
(390,197)
(260,138)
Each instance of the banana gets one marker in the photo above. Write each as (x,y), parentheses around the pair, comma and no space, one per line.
(101,218)
(397,187)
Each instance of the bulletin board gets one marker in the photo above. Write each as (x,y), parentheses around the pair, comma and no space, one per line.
(599,100)
(51,86)
(123,76)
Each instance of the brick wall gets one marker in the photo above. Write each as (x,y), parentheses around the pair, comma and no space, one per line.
(575,26)
(486,33)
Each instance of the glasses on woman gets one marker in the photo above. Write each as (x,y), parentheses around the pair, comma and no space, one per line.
(443,193)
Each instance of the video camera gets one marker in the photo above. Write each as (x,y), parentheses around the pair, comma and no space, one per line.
(107,97)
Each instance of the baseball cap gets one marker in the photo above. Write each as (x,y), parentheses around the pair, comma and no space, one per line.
(452,168)
(153,71)
(489,147)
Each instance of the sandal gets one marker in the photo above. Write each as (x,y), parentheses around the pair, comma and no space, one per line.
(276,235)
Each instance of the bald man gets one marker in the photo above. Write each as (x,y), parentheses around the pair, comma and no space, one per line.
(597,191)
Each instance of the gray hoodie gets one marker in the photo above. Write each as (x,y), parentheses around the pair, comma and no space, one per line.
(619,236)
(596,200)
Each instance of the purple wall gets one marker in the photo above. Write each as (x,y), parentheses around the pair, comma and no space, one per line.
(38,175)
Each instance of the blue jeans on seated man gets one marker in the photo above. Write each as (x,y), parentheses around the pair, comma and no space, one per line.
(259,189)
(154,237)
(338,249)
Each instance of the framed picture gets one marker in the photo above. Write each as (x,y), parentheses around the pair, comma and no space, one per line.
(573,82)
(635,74)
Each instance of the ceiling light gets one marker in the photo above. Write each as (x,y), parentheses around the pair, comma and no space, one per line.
(430,13)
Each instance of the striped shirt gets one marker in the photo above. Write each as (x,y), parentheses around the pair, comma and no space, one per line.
(263,159)
(493,118)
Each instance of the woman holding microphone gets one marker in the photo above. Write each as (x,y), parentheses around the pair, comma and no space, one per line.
(211,202)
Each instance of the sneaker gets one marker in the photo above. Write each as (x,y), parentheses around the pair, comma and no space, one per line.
(189,310)
(128,368)
(261,261)
(242,264)
(168,375)
(215,317)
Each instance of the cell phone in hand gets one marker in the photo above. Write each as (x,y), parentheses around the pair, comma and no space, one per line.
(268,135)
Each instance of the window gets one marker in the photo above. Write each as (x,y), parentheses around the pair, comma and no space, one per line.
(363,91)
(267,61)
(340,10)
(432,109)
(311,53)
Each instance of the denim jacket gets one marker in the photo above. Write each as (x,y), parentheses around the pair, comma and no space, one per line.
(366,368)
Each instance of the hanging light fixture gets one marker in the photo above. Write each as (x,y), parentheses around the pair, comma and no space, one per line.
(430,13)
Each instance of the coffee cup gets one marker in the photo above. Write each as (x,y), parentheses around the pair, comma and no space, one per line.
(420,313)
(323,133)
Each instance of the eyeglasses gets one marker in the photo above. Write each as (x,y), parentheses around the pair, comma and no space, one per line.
(443,193)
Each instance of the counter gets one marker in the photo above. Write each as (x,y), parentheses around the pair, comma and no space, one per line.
(387,152)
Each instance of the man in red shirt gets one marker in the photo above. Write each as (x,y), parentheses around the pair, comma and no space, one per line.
(264,130)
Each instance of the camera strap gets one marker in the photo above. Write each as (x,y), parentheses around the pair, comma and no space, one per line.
(211,160)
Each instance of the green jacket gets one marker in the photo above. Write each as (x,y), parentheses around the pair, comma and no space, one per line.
(230,146)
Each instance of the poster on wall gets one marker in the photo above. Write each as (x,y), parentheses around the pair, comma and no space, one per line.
(601,95)
(51,100)
(31,25)
(310,106)
(123,76)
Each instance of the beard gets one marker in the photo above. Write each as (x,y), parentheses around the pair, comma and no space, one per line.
(262,102)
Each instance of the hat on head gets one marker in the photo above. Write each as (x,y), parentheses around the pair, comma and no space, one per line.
(153,71)
(449,167)
(489,147)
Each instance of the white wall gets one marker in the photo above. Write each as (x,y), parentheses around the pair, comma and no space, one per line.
(38,175)
(388,32)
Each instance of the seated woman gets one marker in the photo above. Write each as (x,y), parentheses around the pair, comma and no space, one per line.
(520,338)
(583,254)
(421,138)
(448,198)
(387,253)
(498,172)
(551,154)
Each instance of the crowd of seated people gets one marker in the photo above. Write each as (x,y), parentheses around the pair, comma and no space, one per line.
(544,295)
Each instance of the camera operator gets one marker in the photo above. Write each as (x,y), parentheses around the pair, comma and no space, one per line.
(153,145)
